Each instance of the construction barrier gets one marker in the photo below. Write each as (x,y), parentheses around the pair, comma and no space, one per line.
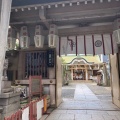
(33,111)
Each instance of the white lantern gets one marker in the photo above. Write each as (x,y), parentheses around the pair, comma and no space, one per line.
(11,43)
(52,37)
(11,40)
(52,40)
(38,38)
(39,41)
(24,42)
(24,39)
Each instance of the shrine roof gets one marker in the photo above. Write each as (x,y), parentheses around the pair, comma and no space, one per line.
(89,59)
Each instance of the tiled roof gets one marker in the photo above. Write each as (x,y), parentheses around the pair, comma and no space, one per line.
(16,3)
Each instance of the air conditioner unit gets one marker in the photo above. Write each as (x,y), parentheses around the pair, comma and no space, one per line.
(11,43)
(52,40)
(24,42)
(116,35)
(39,41)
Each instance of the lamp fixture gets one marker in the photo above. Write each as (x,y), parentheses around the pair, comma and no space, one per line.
(42,7)
(63,5)
(56,5)
(36,8)
(70,4)
(85,2)
(22,9)
(93,1)
(16,10)
(49,6)
(78,3)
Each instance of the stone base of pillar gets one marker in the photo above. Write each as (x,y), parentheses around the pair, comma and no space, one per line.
(10,103)
(6,84)
(9,100)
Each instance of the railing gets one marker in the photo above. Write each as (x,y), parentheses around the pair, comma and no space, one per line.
(33,111)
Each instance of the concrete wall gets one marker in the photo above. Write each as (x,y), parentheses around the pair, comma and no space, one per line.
(115,81)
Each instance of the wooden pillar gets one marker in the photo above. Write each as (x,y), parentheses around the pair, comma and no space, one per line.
(5,9)
(86,72)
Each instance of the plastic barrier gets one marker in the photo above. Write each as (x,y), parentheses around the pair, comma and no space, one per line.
(25,114)
(33,111)
(45,104)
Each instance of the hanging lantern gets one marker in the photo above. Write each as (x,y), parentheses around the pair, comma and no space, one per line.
(11,43)
(11,39)
(38,38)
(24,39)
(52,40)
(53,36)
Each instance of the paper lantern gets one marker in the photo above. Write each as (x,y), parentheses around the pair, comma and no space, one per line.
(52,40)
(52,37)
(11,40)
(24,42)
(24,39)
(39,41)
(11,43)
(38,38)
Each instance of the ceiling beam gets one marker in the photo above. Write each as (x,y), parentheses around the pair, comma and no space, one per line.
(42,16)
(83,9)
(86,30)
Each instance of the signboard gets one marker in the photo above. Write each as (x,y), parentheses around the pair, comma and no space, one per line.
(35,87)
(50,58)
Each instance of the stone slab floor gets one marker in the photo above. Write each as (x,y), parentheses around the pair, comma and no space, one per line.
(85,101)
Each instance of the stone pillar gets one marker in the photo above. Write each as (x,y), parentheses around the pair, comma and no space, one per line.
(86,71)
(5,9)
(52,87)
(52,94)
(104,75)
(72,74)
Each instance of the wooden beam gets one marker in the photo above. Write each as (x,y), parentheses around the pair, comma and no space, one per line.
(42,15)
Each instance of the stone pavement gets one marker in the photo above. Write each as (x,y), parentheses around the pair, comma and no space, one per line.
(86,105)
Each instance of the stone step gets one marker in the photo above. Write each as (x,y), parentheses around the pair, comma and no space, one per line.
(9,94)
(11,107)
(8,114)
(10,100)
(7,90)
(6,84)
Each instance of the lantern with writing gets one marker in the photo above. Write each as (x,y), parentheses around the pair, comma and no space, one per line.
(38,38)
(24,39)
(53,36)
(11,39)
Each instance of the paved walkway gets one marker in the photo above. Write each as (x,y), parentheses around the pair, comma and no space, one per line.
(85,105)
